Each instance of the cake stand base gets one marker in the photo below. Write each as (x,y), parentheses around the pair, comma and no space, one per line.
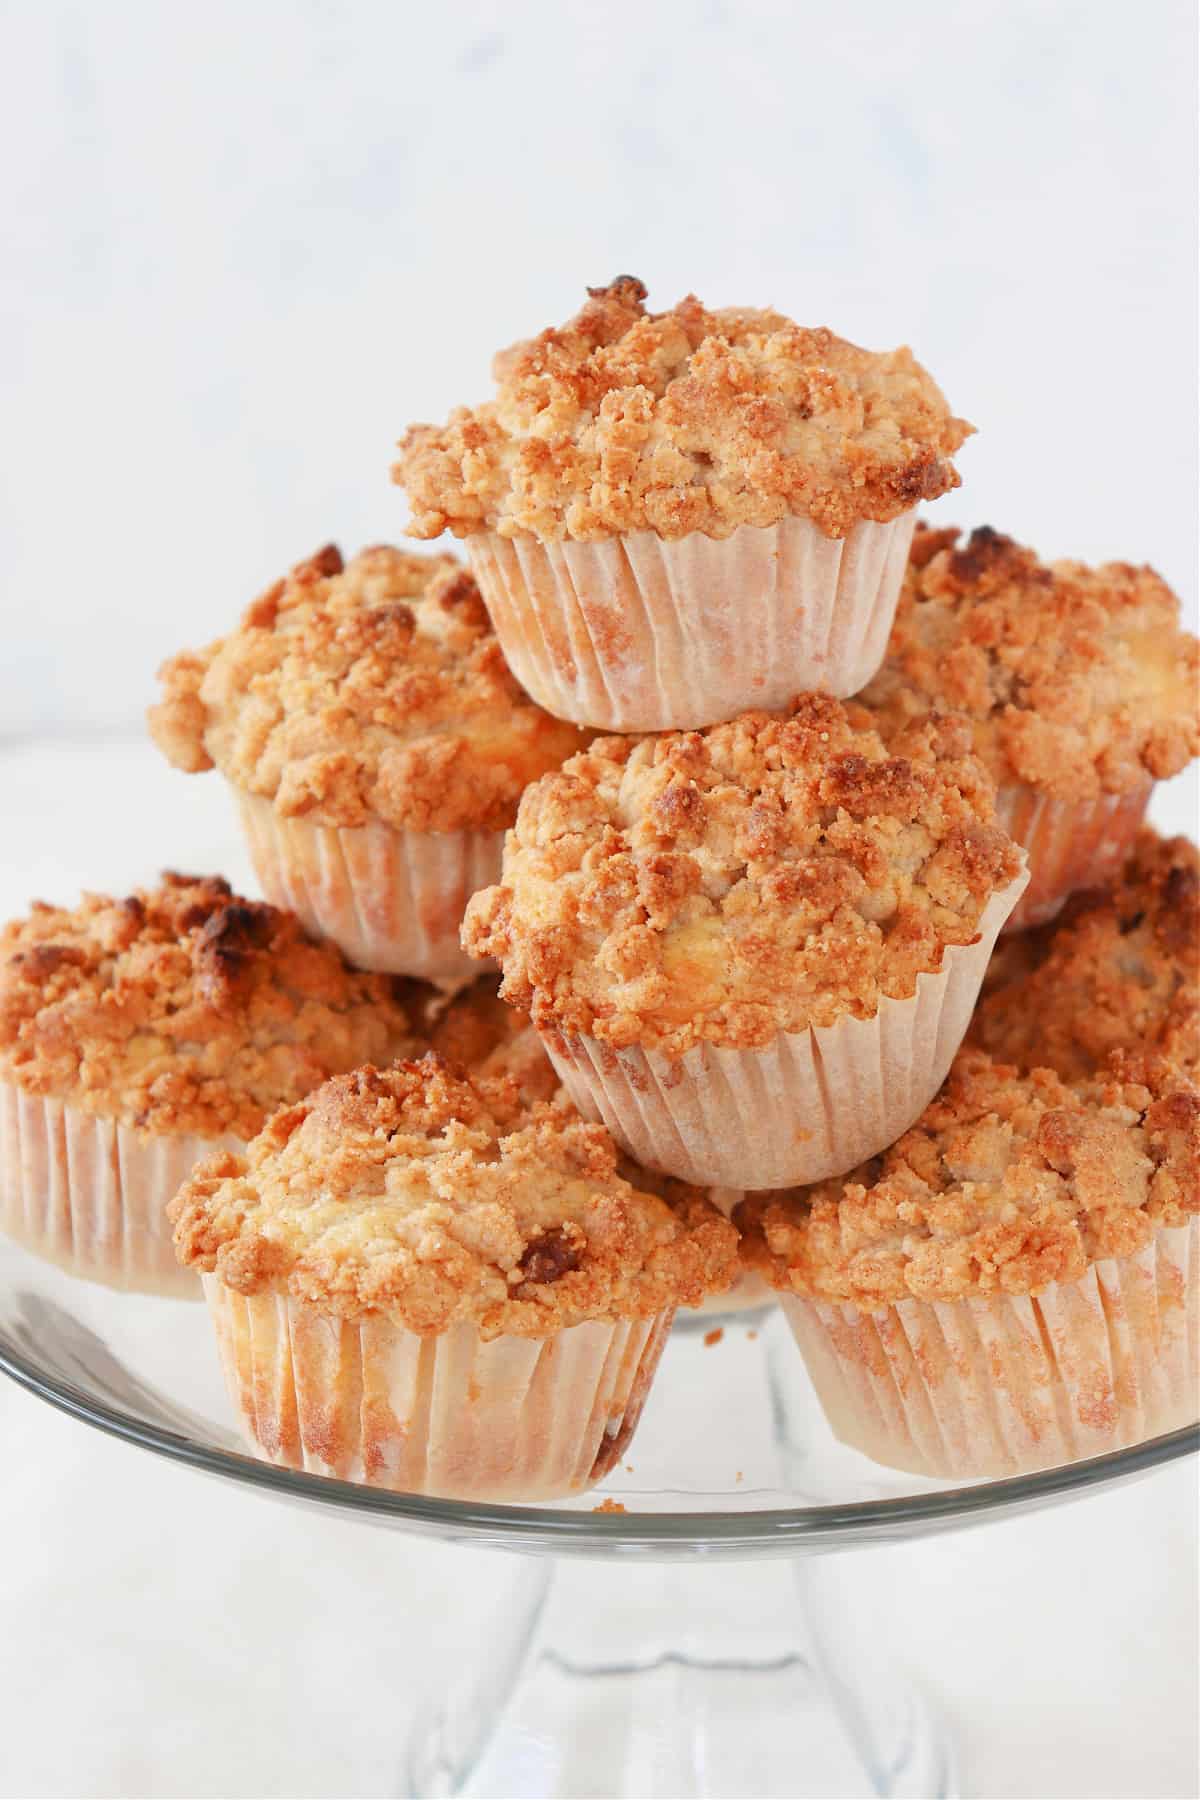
(717,1679)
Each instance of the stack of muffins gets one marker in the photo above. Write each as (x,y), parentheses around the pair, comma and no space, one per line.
(738,773)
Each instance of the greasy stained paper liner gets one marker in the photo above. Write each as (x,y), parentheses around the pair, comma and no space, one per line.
(513,1419)
(91,1195)
(812,1104)
(635,633)
(995,1385)
(1071,845)
(390,900)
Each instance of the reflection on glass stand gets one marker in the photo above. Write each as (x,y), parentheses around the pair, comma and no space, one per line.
(678,1634)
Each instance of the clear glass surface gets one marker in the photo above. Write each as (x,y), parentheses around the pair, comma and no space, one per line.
(733,1457)
(680,1674)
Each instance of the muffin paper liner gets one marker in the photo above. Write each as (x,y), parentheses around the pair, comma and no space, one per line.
(91,1195)
(511,1419)
(1070,845)
(635,633)
(996,1385)
(390,900)
(811,1104)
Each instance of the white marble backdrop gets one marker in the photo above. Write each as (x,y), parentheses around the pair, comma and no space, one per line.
(245,243)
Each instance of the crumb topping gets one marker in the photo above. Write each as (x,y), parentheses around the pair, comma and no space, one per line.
(1077,681)
(374,689)
(1007,1183)
(689,420)
(183,1008)
(476,1031)
(765,875)
(430,1197)
(1118,971)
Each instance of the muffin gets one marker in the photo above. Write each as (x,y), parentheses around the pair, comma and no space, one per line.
(136,1036)
(1080,686)
(376,743)
(752,951)
(479,1033)
(424,1282)
(1013,1285)
(1117,972)
(676,516)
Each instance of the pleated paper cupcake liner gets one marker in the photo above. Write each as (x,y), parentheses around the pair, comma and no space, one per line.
(511,1419)
(812,1104)
(91,1195)
(1071,845)
(390,900)
(995,1385)
(638,634)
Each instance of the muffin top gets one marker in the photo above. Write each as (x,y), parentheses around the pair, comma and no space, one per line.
(767,874)
(1077,681)
(430,1197)
(477,1032)
(1006,1183)
(1118,971)
(374,689)
(688,420)
(183,1008)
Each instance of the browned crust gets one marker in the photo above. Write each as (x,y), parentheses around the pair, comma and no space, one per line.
(688,420)
(183,1008)
(767,874)
(369,690)
(476,1031)
(427,1197)
(1078,681)
(1007,1183)
(1118,972)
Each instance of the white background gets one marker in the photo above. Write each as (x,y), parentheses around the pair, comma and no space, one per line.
(244,245)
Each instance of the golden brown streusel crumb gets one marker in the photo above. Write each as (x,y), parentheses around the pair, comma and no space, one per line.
(1077,681)
(369,690)
(764,875)
(1118,971)
(479,1033)
(183,1008)
(688,420)
(430,1197)
(1007,1183)
(609,1506)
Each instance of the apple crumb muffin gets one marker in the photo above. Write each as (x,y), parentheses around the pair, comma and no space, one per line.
(429,1282)
(137,1034)
(1080,686)
(676,516)
(724,935)
(1012,1283)
(1117,972)
(763,876)
(376,743)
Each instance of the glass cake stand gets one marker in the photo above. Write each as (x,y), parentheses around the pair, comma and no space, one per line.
(688,1638)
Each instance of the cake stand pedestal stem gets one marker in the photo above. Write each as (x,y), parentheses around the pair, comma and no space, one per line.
(677,1681)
